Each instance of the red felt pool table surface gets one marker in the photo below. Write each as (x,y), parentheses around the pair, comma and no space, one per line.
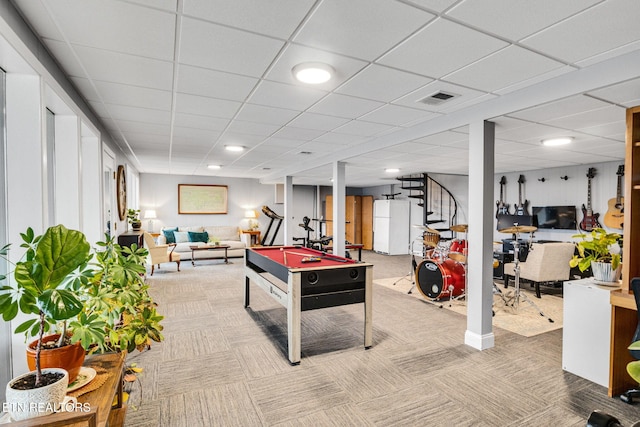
(295,254)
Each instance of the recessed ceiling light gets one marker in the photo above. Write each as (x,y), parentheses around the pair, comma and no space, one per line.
(214,166)
(392,170)
(234,147)
(552,142)
(313,72)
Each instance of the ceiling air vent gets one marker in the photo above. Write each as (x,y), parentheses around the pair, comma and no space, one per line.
(437,98)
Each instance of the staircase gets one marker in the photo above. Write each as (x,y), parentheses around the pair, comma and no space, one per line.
(439,207)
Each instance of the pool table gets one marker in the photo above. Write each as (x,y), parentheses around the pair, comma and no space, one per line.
(309,279)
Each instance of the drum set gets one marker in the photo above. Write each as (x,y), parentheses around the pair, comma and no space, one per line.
(442,272)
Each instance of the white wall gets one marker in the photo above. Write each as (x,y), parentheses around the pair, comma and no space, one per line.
(160,192)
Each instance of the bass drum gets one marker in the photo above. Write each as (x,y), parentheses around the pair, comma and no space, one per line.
(440,279)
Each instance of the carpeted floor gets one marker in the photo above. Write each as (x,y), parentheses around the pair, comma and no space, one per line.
(525,320)
(224,365)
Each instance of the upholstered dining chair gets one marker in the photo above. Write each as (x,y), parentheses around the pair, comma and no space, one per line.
(160,253)
(546,262)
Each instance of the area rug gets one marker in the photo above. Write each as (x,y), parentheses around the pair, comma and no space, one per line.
(525,321)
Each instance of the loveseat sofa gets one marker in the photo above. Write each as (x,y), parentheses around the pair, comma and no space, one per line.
(185,237)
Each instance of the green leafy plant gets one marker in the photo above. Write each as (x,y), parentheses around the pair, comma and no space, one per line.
(133,216)
(595,246)
(49,283)
(118,296)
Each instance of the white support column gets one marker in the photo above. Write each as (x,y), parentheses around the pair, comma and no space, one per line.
(339,212)
(288,210)
(479,289)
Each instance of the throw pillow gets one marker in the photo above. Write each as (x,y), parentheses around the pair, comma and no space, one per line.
(181,236)
(168,234)
(198,237)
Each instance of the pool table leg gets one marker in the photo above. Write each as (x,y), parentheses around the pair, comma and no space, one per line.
(368,309)
(294,307)
(246,292)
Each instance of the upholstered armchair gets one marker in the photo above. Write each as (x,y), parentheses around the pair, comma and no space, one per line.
(546,262)
(160,253)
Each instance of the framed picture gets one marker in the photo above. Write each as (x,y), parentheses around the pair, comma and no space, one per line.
(202,199)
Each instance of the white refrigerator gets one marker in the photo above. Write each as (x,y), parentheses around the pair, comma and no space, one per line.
(391,227)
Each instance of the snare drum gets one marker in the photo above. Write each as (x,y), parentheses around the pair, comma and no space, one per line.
(436,279)
(458,250)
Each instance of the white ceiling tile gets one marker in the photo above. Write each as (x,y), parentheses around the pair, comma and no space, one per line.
(382,83)
(124,69)
(214,84)
(586,119)
(291,132)
(130,127)
(396,115)
(344,106)
(117,26)
(362,128)
(556,72)
(502,69)
(591,32)
(204,106)
(625,93)
(294,54)
(275,18)
(562,108)
(281,95)
(318,121)
(268,115)
(435,5)
(515,19)
(252,128)
(281,143)
(226,49)
(168,5)
(440,48)
(133,96)
(135,114)
(200,122)
(339,139)
(342,27)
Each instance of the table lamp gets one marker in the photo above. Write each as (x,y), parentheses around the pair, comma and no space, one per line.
(150,214)
(251,214)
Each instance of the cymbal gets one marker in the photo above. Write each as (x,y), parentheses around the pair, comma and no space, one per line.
(459,228)
(518,229)
(426,229)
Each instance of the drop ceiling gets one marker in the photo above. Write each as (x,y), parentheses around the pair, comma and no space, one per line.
(174,81)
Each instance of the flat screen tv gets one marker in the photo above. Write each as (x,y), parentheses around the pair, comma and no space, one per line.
(554,217)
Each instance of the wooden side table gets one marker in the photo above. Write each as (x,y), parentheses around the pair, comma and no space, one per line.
(101,412)
(254,236)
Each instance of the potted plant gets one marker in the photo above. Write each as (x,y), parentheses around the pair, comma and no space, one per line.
(595,251)
(133,216)
(118,298)
(48,284)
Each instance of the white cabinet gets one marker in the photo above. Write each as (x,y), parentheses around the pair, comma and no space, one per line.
(586,332)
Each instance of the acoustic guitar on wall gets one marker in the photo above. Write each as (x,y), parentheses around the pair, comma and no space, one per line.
(614,216)
(521,207)
(589,219)
(502,207)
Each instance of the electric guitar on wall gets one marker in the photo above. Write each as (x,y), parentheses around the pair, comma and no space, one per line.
(614,216)
(521,207)
(590,219)
(503,208)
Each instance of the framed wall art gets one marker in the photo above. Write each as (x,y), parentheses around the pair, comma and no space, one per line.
(202,199)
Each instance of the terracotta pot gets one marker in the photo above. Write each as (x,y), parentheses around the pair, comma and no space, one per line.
(69,357)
